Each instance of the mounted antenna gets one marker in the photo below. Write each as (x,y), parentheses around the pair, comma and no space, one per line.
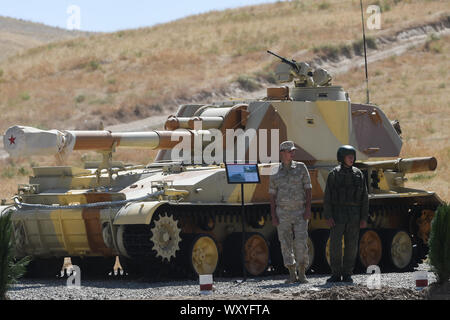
(365,52)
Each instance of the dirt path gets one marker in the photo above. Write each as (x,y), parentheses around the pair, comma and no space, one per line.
(391,43)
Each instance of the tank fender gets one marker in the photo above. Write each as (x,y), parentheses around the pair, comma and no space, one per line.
(137,212)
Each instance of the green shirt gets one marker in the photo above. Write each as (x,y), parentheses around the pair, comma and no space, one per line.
(346,198)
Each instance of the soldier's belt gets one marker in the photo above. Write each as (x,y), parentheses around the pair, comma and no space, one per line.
(289,205)
(347,204)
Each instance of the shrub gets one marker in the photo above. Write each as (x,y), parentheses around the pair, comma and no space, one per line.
(10,269)
(439,244)
(80,98)
(324,5)
(23,171)
(269,76)
(346,50)
(433,44)
(329,50)
(247,83)
(371,43)
(25,96)
(9,172)
(421,177)
(94,65)
(358,46)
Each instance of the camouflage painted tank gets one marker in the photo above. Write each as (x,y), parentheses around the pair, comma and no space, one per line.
(179,214)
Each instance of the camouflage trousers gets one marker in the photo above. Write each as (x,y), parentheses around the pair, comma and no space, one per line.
(344,265)
(293,236)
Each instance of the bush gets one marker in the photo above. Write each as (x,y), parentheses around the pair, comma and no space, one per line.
(9,172)
(10,269)
(433,44)
(25,96)
(328,50)
(80,98)
(94,65)
(324,5)
(247,83)
(439,244)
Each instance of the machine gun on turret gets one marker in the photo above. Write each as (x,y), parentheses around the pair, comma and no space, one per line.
(301,72)
(292,62)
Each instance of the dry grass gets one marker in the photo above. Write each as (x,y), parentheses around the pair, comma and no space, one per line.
(136,73)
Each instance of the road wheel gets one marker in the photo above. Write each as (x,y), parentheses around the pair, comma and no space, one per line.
(203,254)
(370,249)
(398,250)
(256,253)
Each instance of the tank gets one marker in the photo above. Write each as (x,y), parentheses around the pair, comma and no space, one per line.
(179,216)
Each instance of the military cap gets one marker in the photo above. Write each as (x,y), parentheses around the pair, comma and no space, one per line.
(287,146)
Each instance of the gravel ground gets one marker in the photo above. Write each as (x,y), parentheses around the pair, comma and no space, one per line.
(393,286)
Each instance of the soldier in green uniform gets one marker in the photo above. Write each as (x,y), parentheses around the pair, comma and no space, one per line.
(346,208)
(290,202)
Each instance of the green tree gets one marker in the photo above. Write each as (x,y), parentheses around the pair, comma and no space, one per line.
(439,243)
(10,269)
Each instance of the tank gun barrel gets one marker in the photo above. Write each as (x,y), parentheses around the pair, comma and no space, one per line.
(408,165)
(27,141)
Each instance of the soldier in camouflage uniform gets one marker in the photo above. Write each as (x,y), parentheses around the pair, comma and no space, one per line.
(346,208)
(290,199)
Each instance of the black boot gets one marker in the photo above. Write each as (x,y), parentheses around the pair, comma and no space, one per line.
(347,278)
(334,278)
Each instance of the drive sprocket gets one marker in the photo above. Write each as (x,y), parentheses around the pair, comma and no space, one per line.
(166,237)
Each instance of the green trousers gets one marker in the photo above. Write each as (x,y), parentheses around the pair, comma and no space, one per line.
(344,265)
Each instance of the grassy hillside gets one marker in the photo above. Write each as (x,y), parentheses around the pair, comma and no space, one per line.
(18,35)
(132,74)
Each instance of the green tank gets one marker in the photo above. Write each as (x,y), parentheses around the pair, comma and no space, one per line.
(179,216)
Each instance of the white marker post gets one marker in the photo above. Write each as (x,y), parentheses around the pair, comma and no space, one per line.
(206,283)
(421,278)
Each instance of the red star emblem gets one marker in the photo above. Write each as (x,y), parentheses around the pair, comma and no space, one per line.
(12,140)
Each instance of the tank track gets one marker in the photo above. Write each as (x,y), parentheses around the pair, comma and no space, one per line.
(144,262)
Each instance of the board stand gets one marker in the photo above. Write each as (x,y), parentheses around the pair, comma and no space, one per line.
(242,174)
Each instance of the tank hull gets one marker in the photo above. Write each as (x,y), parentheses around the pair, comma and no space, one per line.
(208,206)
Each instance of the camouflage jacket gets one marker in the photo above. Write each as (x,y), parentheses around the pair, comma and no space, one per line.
(346,198)
(288,184)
